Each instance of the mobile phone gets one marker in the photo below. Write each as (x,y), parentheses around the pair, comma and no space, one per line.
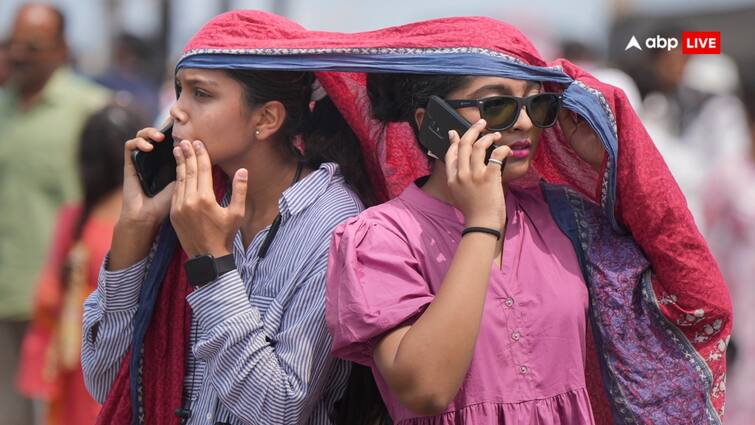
(439,119)
(157,168)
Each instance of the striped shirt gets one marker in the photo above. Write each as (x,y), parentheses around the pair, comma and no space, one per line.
(260,350)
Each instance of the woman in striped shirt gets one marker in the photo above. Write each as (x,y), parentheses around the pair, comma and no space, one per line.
(246,343)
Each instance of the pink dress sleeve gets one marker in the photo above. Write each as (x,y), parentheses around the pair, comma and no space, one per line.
(374,285)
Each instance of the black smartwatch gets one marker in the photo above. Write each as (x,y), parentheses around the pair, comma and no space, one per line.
(203,269)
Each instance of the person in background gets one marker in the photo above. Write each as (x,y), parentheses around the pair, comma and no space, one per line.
(41,115)
(50,367)
(4,66)
(129,74)
(729,212)
(690,105)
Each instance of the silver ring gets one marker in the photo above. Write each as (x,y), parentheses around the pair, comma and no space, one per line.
(496,161)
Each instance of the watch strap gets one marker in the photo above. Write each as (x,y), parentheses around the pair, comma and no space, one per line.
(225,264)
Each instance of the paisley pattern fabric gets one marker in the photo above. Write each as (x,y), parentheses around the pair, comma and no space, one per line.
(652,371)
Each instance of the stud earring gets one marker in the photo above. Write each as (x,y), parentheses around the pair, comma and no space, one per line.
(257,132)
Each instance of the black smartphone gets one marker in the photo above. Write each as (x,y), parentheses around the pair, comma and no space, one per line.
(439,119)
(156,169)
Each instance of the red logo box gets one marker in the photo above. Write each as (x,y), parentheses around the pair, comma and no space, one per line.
(701,43)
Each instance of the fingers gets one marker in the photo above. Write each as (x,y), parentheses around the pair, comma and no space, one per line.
(500,153)
(465,162)
(193,171)
(150,133)
(129,148)
(569,121)
(237,206)
(465,147)
(140,143)
(190,166)
(479,149)
(452,156)
(179,193)
(204,169)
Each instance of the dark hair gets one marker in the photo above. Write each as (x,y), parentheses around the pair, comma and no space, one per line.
(100,161)
(326,135)
(100,155)
(396,97)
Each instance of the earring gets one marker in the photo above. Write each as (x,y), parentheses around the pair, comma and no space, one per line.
(257,132)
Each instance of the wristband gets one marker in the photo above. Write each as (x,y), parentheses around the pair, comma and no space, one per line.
(487,230)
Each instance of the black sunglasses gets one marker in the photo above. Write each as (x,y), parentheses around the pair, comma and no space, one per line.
(501,112)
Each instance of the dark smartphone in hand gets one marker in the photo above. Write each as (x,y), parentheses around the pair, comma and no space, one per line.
(156,169)
(439,119)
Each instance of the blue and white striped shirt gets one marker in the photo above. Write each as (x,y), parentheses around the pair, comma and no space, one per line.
(262,355)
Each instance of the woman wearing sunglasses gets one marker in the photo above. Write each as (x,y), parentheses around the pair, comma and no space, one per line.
(500,301)
(487,291)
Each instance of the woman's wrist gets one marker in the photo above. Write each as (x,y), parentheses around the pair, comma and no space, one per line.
(131,242)
(126,223)
(217,251)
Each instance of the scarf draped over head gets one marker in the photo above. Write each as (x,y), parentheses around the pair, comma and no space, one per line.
(659,310)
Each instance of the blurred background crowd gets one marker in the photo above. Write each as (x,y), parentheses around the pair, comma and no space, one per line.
(79,77)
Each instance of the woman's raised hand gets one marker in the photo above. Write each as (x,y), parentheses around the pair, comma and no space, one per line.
(476,189)
(202,225)
(138,208)
(582,138)
(140,215)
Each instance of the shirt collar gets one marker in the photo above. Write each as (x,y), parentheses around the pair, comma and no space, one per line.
(303,193)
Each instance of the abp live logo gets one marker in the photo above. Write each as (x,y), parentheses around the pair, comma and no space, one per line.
(693,43)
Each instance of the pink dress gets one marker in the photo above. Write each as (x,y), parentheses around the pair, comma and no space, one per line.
(529,363)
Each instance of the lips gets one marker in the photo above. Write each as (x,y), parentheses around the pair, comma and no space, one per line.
(520,145)
(520,149)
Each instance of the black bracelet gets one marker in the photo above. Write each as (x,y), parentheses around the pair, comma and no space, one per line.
(487,230)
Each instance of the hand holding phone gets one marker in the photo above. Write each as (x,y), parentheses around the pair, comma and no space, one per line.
(475,188)
(141,214)
(478,195)
(141,178)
